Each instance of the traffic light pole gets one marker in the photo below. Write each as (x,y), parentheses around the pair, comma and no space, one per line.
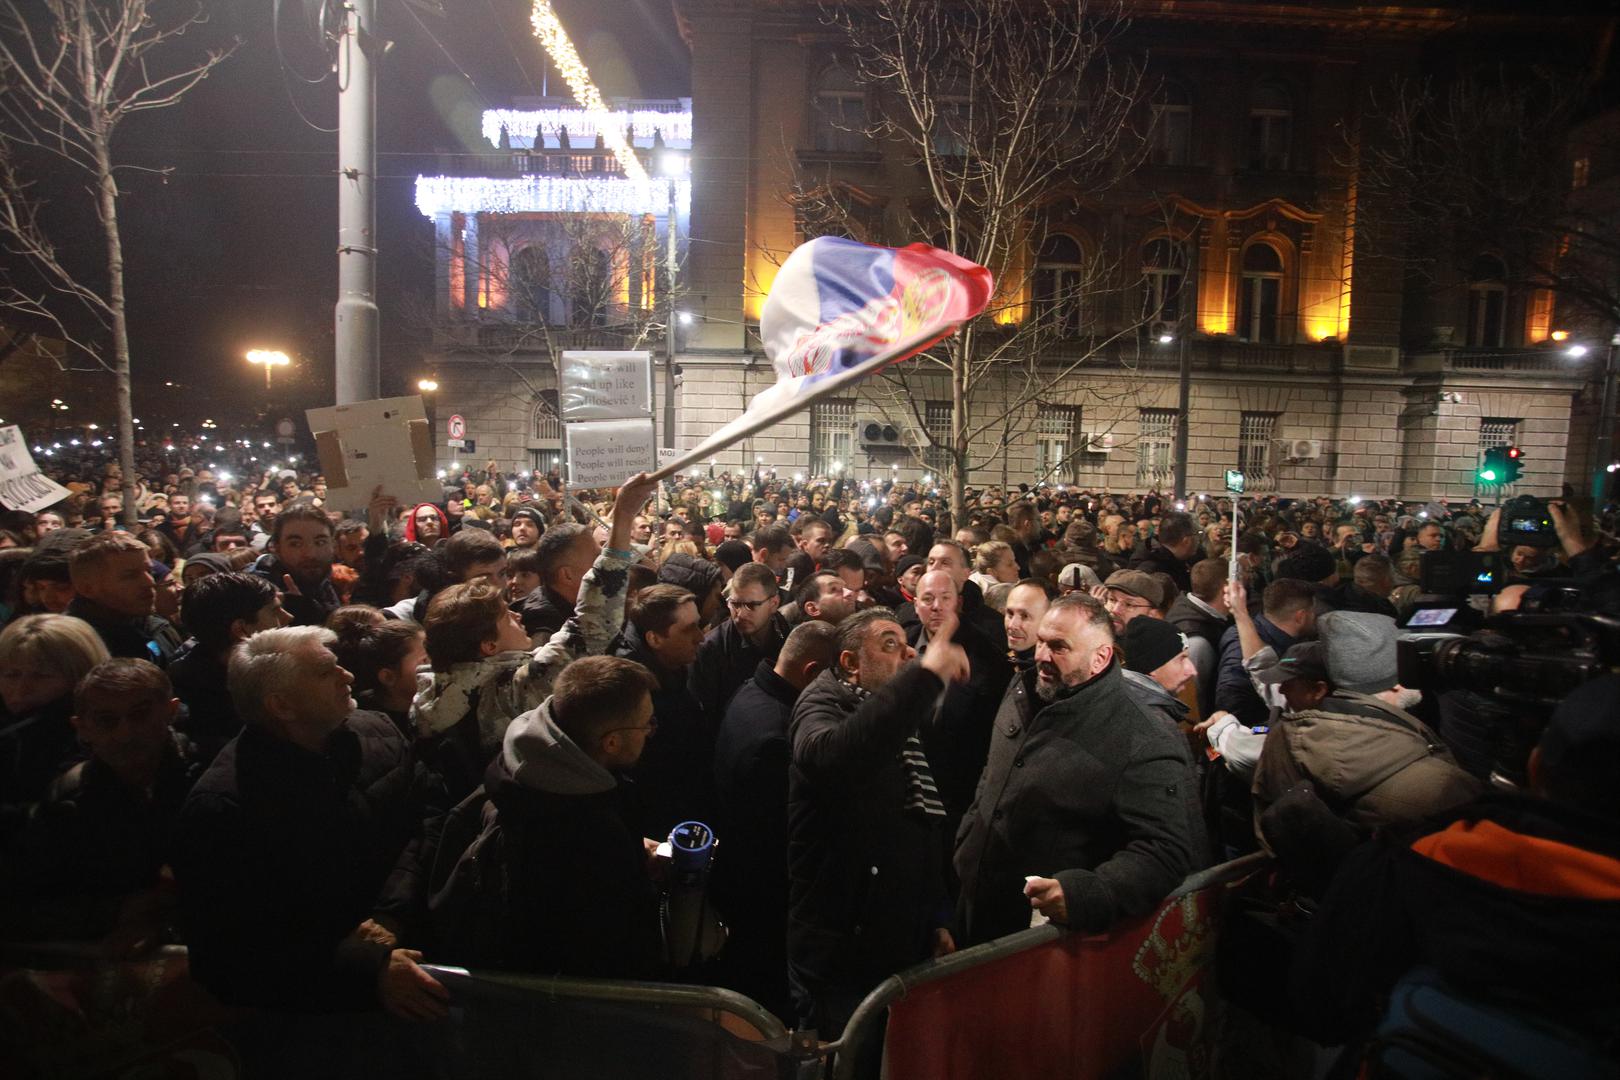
(1605,425)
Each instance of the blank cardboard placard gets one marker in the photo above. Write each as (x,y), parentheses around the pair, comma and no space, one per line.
(604,453)
(370,443)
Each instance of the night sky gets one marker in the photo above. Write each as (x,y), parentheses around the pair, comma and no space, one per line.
(236,248)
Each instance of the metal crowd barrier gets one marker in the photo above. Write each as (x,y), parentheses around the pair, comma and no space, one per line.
(1080,1006)
(1044,1001)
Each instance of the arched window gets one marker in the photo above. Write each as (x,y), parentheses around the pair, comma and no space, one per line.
(1059,284)
(1164,277)
(1487,302)
(1260,297)
(1271,123)
(530,284)
(840,119)
(547,417)
(1172,126)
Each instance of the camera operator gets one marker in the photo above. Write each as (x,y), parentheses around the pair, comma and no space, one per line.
(1515,902)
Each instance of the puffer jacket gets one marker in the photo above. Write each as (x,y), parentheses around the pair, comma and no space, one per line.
(1373,764)
(461,715)
(1089,789)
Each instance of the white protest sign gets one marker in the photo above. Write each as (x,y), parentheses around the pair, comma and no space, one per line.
(22,485)
(605,386)
(603,453)
(667,454)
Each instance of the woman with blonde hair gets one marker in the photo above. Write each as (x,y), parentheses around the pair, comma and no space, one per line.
(42,659)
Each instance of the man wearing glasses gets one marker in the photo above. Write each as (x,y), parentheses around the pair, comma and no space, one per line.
(579,896)
(1130,594)
(732,651)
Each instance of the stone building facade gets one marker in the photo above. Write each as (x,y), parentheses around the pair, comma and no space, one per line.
(1317,366)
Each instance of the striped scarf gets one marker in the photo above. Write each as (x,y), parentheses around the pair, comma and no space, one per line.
(922,794)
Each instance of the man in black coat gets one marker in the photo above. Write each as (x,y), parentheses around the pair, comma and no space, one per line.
(865,856)
(732,650)
(1175,551)
(116,594)
(750,884)
(302,853)
(579,897)
(951,557)
(675,775)
(1082,811)
(300,564)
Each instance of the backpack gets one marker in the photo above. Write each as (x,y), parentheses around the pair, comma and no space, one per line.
(1433,1032)
(469,890)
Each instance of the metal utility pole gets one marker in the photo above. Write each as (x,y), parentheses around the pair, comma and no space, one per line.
(1605,425)
(670,265)
(356,311)
(1183,405)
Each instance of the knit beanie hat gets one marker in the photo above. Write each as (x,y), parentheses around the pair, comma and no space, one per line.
(1149,644)
(733,553)
(1360,650)
(1308,563)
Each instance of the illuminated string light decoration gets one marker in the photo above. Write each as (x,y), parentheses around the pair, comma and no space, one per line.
(521,126)
(539,194)
(549,29)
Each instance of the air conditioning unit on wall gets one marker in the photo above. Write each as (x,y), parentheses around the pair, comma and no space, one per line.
(876,433)
(1301,449)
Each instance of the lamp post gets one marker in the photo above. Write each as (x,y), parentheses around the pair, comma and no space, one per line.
(671,166)
(429,389)
(1183,407)
(270,359)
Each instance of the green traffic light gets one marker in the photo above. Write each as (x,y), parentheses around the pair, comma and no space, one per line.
(1488,475)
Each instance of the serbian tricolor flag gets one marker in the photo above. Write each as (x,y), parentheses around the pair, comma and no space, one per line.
(840,310)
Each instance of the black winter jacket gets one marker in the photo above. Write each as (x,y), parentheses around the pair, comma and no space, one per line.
(543,612)
(675,776)
(282,852)
(200,681)
(147,637)
(581,901)
(727,659)
(956,735)
(866,876)
(1158,559)
(311,604)
(1089,789)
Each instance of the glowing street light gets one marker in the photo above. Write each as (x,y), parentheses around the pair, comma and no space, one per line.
(427,386)
(1576,351)
(270,358)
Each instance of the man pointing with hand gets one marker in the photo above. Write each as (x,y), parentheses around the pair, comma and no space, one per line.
(865,820)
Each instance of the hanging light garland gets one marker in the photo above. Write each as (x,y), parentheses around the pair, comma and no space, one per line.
(549,29)
(549,194)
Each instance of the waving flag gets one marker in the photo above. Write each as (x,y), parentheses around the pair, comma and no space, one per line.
(840,310)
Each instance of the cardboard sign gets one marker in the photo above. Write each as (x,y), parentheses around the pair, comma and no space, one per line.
(22,485)
(603,453)
(386,442)
(605,386)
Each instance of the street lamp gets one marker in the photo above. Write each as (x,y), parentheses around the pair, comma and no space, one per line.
(672,166)
(270,358)
(426,386)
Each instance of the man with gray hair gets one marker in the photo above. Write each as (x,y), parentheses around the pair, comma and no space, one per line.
(301,851)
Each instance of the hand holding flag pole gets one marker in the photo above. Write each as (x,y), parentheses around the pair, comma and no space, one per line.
(839,311)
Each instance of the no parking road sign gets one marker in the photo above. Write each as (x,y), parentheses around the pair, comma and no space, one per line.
(458,427)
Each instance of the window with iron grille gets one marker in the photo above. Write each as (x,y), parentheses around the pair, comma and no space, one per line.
(832,436)
(937,417)
(547,426)
(1255,434)
(1156,447)
(1494,431)
(1057,446)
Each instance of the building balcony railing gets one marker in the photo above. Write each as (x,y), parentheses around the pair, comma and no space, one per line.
(528,337)
(1543,361)
(1214,354)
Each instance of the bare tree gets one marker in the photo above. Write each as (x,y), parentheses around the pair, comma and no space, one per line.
(1490,164)
(71,72)
(1012,115)
(557,282)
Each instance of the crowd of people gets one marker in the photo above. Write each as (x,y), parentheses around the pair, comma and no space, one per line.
(321,750)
